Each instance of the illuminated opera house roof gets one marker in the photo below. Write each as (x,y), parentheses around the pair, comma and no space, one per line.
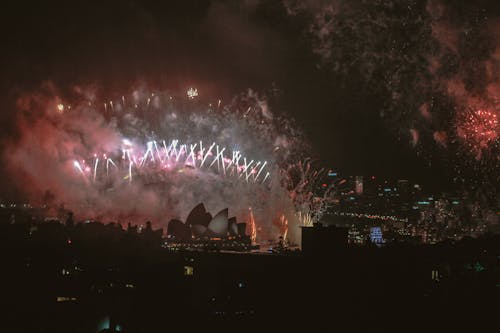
(219,224)
(201,224)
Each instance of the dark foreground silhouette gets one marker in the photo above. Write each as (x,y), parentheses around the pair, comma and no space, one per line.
(93,277)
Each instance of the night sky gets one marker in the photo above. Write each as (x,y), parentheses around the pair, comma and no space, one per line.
(323,63)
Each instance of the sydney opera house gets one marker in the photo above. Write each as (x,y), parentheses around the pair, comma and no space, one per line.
(202,230)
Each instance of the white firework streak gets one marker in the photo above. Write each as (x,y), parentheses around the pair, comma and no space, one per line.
(157,150)
(159,154)
(77,165)
(108,162)
(173,147)
(179,153)
(206,155)
(167,150)
(267,176)
(218,159)
(149,152)
(261,168)
(95,167)
(191,154)
(245,168)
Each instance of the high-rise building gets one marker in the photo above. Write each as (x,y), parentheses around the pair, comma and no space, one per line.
(376,235)
(359,185)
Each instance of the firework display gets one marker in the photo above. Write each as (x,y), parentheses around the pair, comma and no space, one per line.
(438,75)
(478,129)
(156,155)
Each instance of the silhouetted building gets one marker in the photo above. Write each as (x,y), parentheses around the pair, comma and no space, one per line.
(320,239)
(199,223)
(69,221)
(199,216)
(179,231)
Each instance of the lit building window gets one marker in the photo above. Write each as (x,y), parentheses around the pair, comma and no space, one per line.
(65,299)
(188,270)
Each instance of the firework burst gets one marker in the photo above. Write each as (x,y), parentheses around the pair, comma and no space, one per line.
(478,129)
(156,155)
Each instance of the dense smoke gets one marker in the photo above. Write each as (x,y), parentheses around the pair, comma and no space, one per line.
(53,158)
(428,69)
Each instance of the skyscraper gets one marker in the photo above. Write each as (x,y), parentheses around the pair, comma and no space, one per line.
(359,185)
